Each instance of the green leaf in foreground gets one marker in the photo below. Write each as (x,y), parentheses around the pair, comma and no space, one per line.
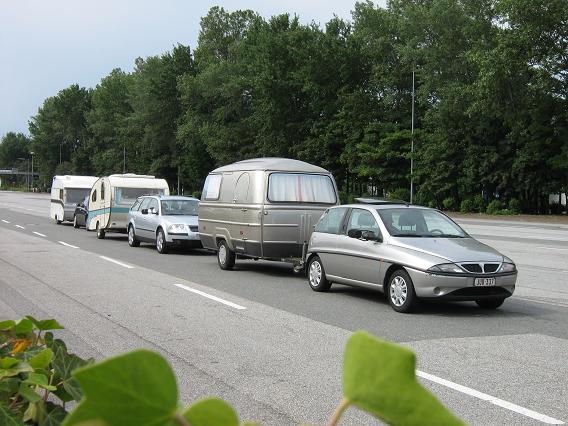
(48,324)
(42,359)
(137,388)
(211,411)
(380,378)
(8,418)
(7,324)
(23,326)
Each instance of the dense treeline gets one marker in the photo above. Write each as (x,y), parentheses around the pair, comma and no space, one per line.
(491,103)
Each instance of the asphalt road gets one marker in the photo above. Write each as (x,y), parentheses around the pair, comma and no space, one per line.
(279,359)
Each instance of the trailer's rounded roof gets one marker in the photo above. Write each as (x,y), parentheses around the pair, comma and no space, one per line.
(137,181)
(69,181)
(271,163)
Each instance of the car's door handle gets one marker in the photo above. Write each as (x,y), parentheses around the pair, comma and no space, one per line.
(244,210)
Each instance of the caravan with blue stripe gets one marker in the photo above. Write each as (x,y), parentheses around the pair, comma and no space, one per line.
(112,196)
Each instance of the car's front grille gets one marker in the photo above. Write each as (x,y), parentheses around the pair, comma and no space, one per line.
(480,268)
(480,291)
(193,228)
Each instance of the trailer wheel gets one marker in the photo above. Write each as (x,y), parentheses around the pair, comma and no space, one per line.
(100,233)
(225,256)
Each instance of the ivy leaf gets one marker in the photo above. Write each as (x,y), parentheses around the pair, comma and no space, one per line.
(211,411)
(7,325)
(380,378)
(8,362)
(23,326)
(28,393)
(21,367)
(48,324)
(8,387)
(39,380)
(64,365)
(54,415)
(137,388)
(42,359)
(8,418)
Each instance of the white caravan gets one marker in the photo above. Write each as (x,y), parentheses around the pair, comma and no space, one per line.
(66,193)
(112,196)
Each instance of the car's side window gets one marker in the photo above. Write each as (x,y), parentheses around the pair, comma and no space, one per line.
(362,220)
(144,204)
(153,205)
(330,222)
(136,205)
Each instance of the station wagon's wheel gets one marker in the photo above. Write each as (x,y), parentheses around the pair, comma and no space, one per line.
(132,240)
(75,223)
(489,303)
(316,275)
(400,292)
(161,244)
(100,232)
(225,256)
(57,220)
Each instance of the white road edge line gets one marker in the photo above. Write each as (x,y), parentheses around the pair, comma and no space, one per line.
(562,305)
(67,244)
(494,400)
(124,265)
(552,248)
(210,296)
(40,234)
(19,226)
(5,221)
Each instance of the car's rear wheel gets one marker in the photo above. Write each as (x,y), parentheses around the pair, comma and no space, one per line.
(400,292)
(132,240)
(75,223)
(161,244)
(316,275)
(225,256)
(489,303)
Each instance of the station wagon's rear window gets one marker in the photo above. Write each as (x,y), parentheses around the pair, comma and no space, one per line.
(301,188)
(76,195)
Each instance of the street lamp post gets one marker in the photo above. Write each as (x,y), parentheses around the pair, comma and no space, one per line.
(32,180)
(412,145)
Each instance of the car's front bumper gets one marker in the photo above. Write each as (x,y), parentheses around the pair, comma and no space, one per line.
(190,239)
(454,287)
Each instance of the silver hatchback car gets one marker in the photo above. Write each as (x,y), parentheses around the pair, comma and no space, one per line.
(409,253)
(165,221)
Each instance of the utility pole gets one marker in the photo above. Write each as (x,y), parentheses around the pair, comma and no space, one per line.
(124,159)
(32,181)
(179,168)
(412,145)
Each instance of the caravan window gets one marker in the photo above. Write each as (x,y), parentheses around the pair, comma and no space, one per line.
(300,188)
(212,187)
(128,196)
(76,195)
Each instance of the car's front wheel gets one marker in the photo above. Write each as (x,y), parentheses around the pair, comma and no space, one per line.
(225,256)
(161,244)
(489,303)
(132,240)
(400,292)
(316,275)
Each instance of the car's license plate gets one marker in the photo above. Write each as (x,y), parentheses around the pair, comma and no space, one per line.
(484,282)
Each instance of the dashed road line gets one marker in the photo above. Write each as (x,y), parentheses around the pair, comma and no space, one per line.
(5,221)
(40,234)
(67,244)
(492,399)
(117,262)
(19,226)
(544,302)
(553,248)
(210,296)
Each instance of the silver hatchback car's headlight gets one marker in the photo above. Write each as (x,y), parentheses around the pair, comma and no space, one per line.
(507,267)
(447,268)
(176,228)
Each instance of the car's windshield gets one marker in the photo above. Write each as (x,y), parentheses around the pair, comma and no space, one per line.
(180,207)
(419,223)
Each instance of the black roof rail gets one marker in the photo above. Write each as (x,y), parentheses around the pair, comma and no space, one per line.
(380,201)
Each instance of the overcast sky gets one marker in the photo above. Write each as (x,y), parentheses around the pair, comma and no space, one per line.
(47,45)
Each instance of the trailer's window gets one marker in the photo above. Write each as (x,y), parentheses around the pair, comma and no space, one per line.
(61,194)
(127,196)
(300,188)
(212,187)
(76,195)
(94,196)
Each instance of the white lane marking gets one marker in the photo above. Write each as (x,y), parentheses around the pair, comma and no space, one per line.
(552,248)
(492,399)
(40,234)
(117,262)
(19,226)
(210,296)
(5,221)
(67,244)
(541,301)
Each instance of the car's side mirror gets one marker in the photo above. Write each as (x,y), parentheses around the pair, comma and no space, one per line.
(144,211)
(354,233)
(371,236)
